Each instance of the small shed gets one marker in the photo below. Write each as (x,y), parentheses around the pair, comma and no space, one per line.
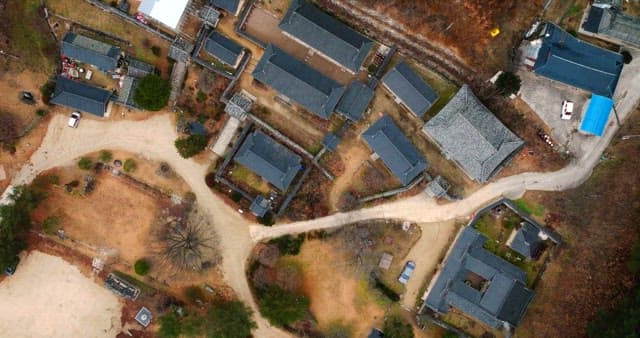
(260,206)
(597,115)
(385,261)
(238,106)
(438,187)
(144,317)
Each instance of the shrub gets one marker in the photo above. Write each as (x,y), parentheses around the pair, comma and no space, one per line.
(626,57)
(15,219)
(210,180)
(152,92)
(50,224)
(267,219)
(105,156)
(155,50)
(236,196)
(201,96)
(229,319)
(85,163)
(47,90)
(42,112)
(191,145)
(508,83)
(282,307)
(169,326)
(141,267)
(129,165)
(289,245)
(395,327)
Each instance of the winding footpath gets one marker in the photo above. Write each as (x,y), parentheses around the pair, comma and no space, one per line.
(154,139)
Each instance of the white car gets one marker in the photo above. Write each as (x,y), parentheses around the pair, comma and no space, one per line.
(74,119)
(567,110)
(407,272)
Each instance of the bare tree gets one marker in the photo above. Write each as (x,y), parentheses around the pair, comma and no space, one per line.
(186,245)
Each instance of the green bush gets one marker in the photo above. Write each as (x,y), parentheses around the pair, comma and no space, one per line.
(152,92)
(142,267)
(85,163)
(105,156)
(195,294)
(267,219)
(191,145)
(155,50)
(626,57)
(622,321)
(50,224)
(228,319)
(289,245)
(15,220)
(395,327)
(201,96)
(236,196)
(42,112)
(508,83)
(47,90)
(170,326)
(129,165)
(282,307)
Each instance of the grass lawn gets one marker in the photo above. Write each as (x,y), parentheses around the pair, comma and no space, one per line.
(246,176)
(530,207)
(29,35)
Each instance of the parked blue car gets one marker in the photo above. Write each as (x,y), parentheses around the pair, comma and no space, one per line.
(407,272)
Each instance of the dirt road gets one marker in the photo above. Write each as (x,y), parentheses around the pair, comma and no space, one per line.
(153,139)
(47,297)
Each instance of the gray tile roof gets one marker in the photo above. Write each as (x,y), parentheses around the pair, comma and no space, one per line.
(269,159)
(231,6)
(238,106)
(410,88)
(526,240)
(298,81)
(468,133)
(564,58)
(331,141)
(80,96)
(504,299)
(125,95)
(438,187)
(139,69)
(260,206)
(324,33)
(223,48)
(86,50)
(396,151)
(355,101)
(615,24)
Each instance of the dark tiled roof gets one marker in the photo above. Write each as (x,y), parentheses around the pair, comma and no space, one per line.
(324,33)
(223,48)
(298,81)
(615,24)
(126,93)
(80,96)
(396,151)
(269,159)
(526,240)
(410,88)
(260,206)
(139,69)
(504,299)
(230,6)
(355,101)
(468,133)
(86,50)
(567,59)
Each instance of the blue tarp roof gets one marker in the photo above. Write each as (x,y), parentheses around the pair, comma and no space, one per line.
(597,115)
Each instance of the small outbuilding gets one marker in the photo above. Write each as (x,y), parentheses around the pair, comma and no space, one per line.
(409,89)
(224,49)
(260,206)
(80,96)
(597,115)
(355,101)
(144,317)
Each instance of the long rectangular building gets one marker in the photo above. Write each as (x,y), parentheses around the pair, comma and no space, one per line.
(298,81)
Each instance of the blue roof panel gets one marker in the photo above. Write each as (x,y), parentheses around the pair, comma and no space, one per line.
(597,115)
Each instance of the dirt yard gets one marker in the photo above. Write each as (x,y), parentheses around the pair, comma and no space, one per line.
(336,297)
(49,297)
(115,216)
